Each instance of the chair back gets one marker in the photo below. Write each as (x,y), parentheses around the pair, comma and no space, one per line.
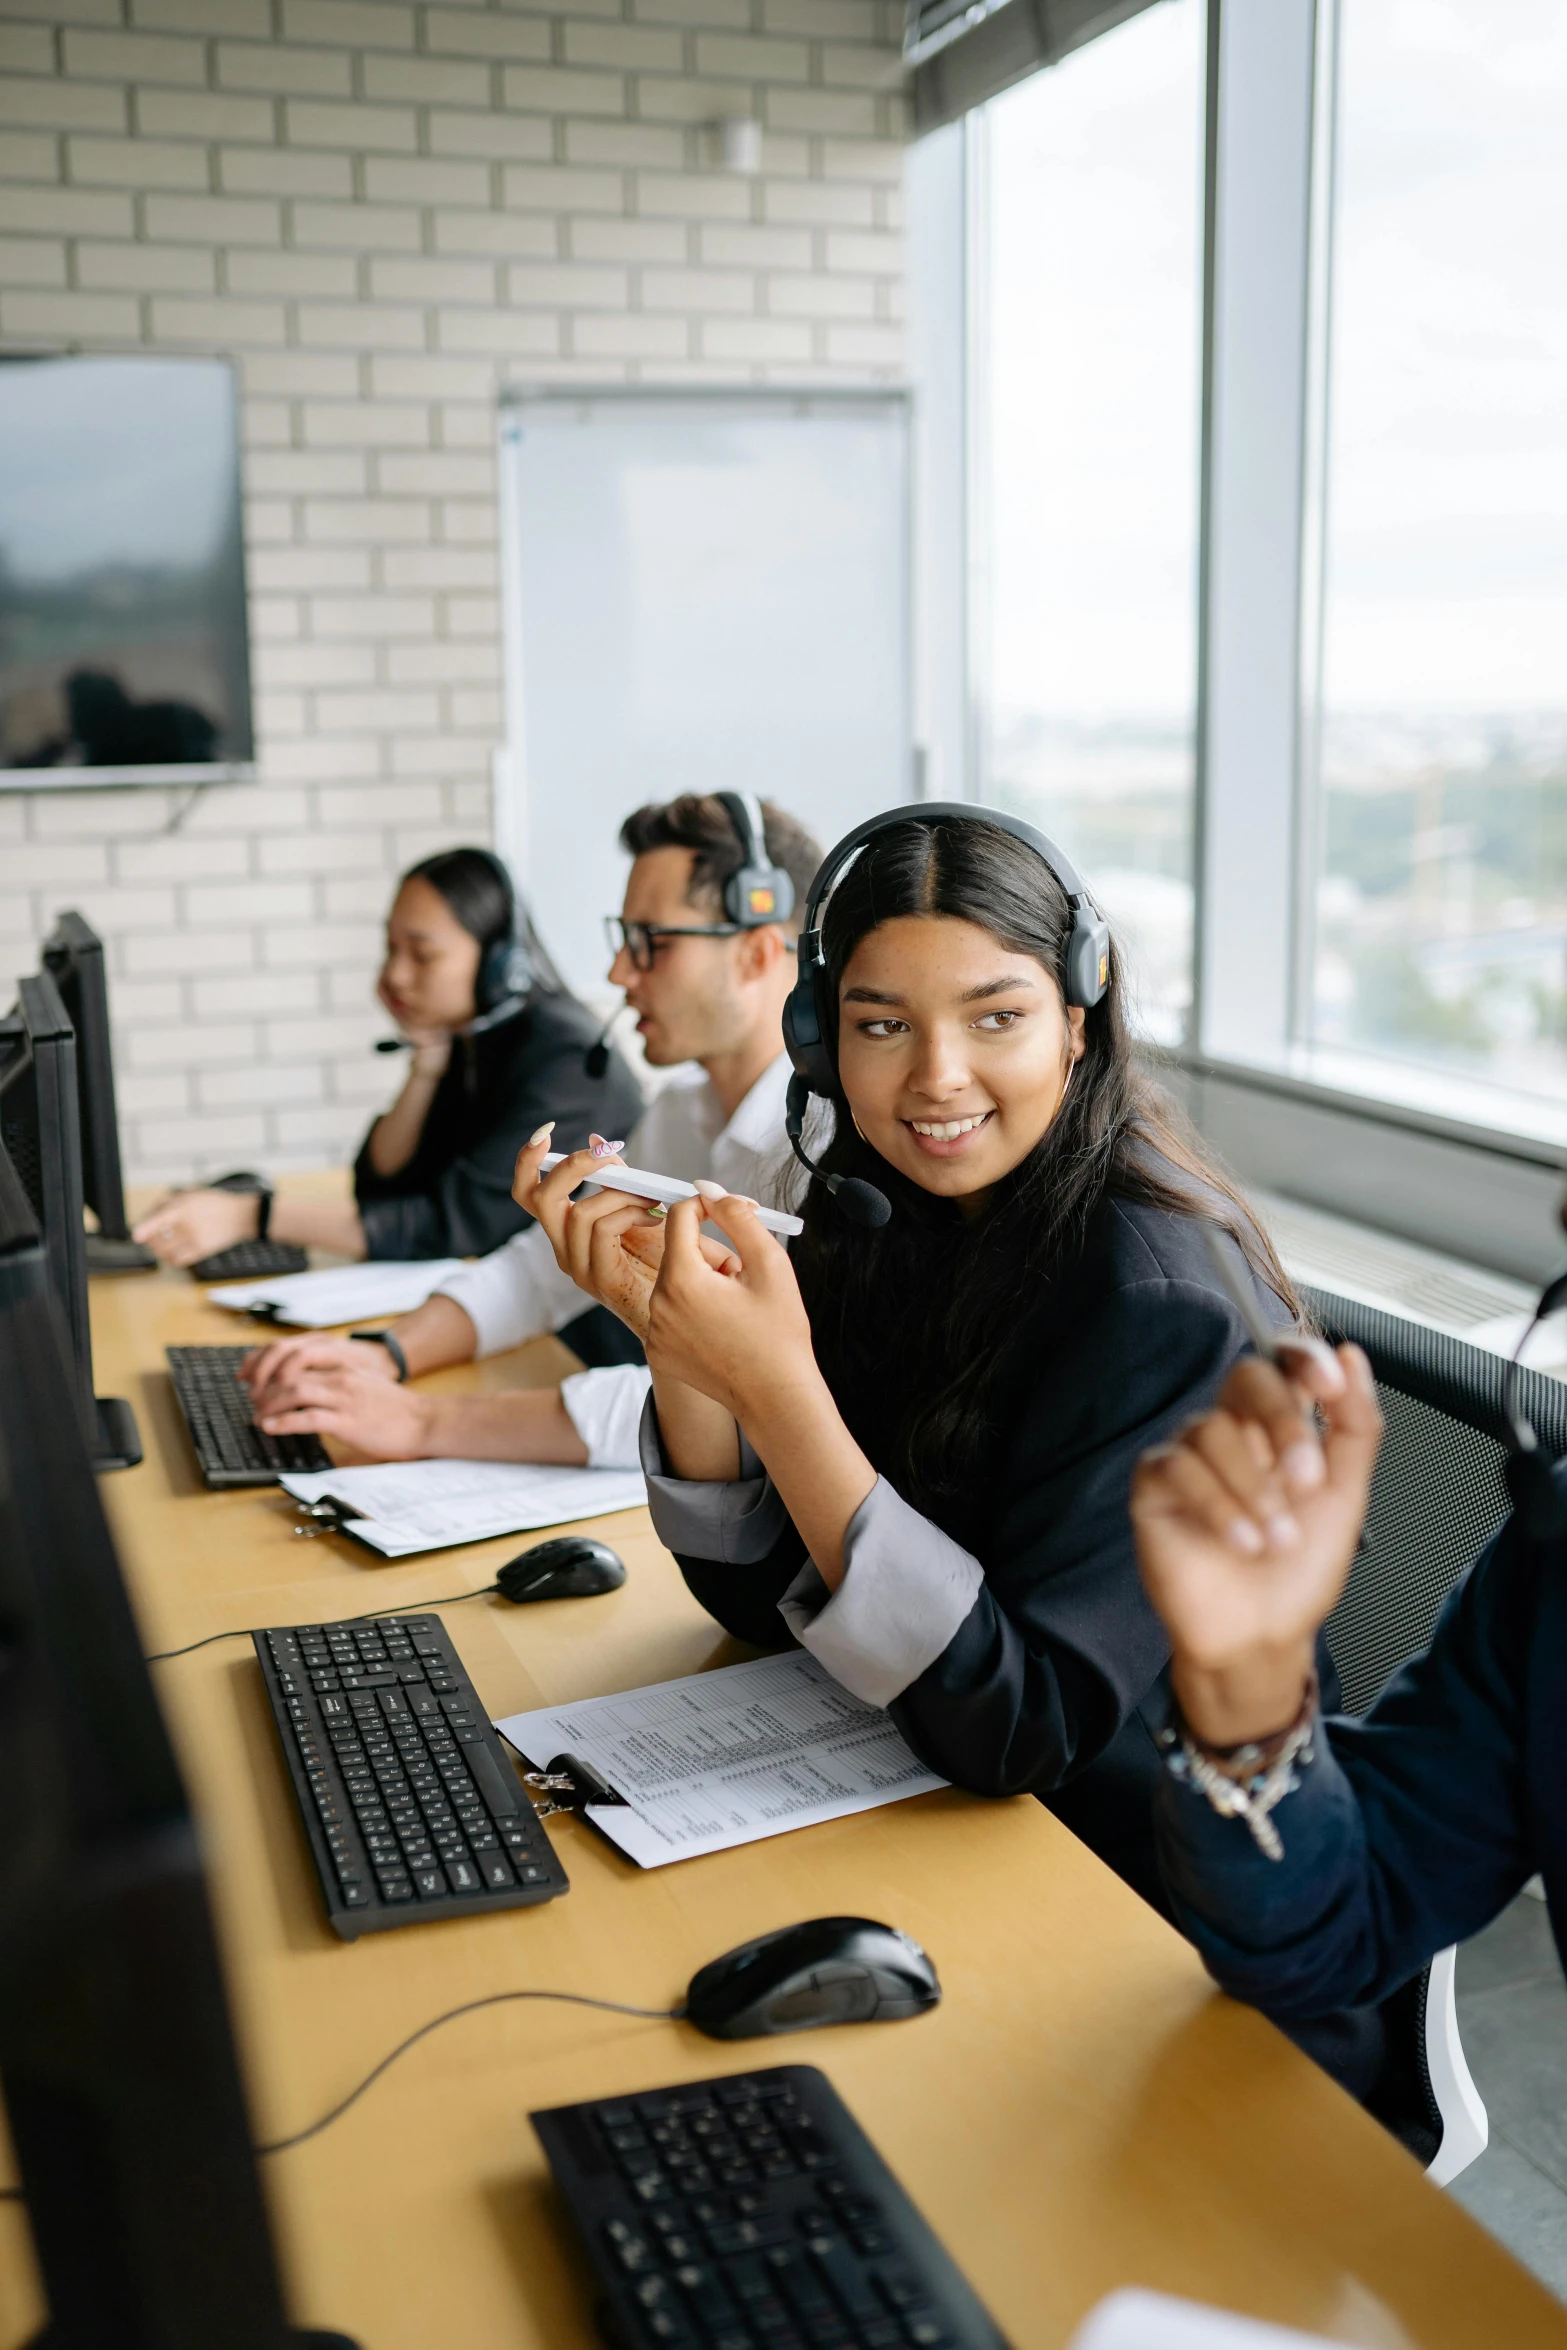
(1439,1492)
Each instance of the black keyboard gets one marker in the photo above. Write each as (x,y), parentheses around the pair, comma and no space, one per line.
(251,1260)
(411,1803)
(753,2213)
(230,1448)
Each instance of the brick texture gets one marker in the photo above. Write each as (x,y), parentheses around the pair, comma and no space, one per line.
(383,213)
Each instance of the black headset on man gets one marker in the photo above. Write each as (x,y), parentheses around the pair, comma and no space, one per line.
(756,893)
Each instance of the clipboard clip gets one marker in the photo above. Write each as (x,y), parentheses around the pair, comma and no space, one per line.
(326,1516)
(569,1784)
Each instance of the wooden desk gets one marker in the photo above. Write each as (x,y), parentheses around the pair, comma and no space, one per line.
(1083,2110)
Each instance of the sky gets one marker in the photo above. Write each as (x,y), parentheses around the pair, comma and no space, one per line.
(1094,301)
(1447,513)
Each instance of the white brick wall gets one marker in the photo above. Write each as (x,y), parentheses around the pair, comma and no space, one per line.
(384,211)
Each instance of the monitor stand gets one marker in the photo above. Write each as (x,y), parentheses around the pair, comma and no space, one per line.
(116,1437)
(106,1255)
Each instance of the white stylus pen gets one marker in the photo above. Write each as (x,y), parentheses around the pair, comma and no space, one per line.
(1241,1295)
(667,1188)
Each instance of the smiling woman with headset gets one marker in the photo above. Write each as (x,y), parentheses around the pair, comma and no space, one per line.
(910,1440)
(496,1042)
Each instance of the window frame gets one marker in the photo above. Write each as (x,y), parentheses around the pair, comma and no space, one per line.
(1326,1127)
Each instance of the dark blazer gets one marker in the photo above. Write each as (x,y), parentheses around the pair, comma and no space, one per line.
(1053,1683)
(453,1198)
(1412,1827)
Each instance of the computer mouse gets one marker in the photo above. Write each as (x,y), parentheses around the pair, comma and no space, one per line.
(823,1971)
(569,1566)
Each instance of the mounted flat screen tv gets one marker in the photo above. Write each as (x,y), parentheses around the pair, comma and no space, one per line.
(123,648)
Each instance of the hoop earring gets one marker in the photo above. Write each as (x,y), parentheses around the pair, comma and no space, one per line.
(860,1131)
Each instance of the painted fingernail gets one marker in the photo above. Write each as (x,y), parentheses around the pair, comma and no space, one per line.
(1302,1466)
(1245,1536)
(603,1149)
(657,1210)
(707,1189)
(542,1133)
(1283,1532)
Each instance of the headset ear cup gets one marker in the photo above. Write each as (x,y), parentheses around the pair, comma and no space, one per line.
(802,1034)
(1087,960)
(505,969)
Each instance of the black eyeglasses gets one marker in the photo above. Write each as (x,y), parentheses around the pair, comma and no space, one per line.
(640,940)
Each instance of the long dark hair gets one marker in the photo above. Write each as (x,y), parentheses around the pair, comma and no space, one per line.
(479,894)
(911,1323)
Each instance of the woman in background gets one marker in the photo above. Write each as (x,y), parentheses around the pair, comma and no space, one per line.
(496,1044)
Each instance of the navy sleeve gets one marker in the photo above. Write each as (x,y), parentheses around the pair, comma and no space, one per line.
(1409,1829)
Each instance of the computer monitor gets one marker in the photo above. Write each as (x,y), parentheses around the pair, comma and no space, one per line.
(117,2062)
(73,958)
(39,1128)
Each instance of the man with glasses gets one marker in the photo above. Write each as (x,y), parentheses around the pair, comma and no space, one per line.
(706,992)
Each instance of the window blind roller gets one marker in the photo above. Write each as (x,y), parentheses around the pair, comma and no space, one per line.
(958,53)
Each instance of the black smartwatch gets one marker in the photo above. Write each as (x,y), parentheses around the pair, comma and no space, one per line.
(392,1345)
(263,1211)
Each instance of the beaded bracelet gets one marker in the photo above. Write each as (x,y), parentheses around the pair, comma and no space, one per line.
(1246,1782)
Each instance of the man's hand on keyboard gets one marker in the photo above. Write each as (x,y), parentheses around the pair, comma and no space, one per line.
(347,1397)
(274,1374)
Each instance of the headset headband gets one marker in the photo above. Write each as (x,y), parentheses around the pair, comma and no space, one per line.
(836,863)
(744,811)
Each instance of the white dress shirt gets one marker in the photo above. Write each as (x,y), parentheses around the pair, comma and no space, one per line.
(519,1292)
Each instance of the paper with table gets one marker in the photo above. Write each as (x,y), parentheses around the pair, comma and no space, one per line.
(339,1293)
(400,1507)
(725,1758)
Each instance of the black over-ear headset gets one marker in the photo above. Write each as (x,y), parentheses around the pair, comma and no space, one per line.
(506,975)
(1536,1495)
(757,893)
(808,1012)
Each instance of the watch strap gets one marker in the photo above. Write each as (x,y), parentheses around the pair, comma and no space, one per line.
(393,1346)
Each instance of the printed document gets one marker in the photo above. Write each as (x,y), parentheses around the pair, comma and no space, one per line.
(724,1758)
(1135,2320)
(400,1507)
(340,1293)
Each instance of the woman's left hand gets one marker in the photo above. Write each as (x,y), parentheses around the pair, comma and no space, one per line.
(736,1331)
(190,1225)
(610,1244)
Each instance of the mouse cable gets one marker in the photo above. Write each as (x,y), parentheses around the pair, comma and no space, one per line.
(654,2015)
(417,1607)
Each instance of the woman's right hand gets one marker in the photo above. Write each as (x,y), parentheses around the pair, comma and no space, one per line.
(1246,1528)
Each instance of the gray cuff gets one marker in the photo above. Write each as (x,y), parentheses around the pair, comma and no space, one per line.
(735,1524)
(906,1589)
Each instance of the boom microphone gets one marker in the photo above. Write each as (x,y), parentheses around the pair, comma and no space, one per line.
(861,1202)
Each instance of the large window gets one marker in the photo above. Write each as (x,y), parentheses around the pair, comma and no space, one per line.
(1090,270)
(1440,828)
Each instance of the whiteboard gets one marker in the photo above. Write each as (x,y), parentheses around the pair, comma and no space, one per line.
(704,592)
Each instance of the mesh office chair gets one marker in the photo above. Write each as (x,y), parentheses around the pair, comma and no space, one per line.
(1438,1496)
